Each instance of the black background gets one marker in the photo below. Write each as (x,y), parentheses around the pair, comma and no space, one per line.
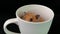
(9,7)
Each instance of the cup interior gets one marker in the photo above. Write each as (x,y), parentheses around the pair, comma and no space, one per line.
(45,12)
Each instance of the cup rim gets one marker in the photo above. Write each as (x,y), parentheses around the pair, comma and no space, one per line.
(35,22)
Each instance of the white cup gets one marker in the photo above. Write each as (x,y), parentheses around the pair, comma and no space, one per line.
(31,27)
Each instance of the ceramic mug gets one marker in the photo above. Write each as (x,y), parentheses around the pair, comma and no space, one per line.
(32,27)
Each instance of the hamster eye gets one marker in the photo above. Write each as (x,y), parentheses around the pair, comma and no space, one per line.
(31,19)
(37,16)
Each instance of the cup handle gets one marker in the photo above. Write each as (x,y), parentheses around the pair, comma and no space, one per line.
(9,21)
